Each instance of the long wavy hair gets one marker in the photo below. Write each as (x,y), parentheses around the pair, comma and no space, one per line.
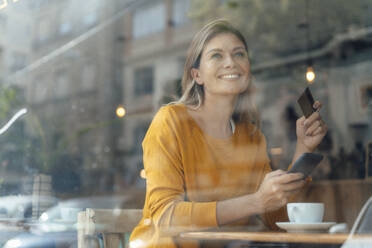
(193,94)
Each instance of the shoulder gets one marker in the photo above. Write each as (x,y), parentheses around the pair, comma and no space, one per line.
(169,113)
(167,119)
(172,109)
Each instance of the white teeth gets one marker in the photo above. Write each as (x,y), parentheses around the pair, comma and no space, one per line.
(230,76)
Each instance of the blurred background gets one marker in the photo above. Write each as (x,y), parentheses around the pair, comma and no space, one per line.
(81,80)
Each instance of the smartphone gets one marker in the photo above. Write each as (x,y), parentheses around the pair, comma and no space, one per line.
(306,102)
(306,163)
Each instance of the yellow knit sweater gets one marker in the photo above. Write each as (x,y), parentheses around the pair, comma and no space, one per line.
(187,172)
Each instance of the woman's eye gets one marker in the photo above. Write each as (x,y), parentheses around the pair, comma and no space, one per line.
(216,55)
(240,54)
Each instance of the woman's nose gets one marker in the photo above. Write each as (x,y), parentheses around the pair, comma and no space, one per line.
(229,62)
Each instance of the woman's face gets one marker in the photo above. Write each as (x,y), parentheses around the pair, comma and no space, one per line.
(224,66)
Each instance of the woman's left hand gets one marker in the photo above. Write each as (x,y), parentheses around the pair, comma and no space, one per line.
(311,131)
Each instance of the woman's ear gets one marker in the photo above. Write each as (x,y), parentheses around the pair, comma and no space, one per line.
(195,74)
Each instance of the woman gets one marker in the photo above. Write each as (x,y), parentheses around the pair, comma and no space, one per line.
(205,159)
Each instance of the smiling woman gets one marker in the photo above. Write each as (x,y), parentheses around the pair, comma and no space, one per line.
(204,156)
(94,74)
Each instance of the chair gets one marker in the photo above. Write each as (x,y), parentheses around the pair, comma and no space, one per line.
(110,224)
(362,225)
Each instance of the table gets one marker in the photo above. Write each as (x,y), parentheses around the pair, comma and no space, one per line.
(281,237)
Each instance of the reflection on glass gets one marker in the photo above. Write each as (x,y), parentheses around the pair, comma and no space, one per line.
(310,75)
(12,120)
(92,74)
(120,111)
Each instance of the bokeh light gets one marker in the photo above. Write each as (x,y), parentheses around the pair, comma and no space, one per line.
(120,111)
(310,75)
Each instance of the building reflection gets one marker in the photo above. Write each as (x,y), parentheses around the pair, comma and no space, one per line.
(137,62)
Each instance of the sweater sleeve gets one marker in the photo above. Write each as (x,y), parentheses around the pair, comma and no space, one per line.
(279,215)
(165,181)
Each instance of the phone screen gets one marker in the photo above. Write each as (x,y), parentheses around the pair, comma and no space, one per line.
(306,163)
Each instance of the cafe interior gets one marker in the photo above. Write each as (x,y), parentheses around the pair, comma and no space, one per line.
(81,83)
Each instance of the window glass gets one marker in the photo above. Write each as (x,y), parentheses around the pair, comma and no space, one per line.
(180,10)
(40,89)
(19,61)
(82,83)
(37,3)
(2,21)
(65,23)
(18,29)
(154,14)
(90,19)
(143,80)
(61,83)
(88,77)
(43,29)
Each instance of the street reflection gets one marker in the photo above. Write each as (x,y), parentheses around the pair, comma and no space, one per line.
(80,82)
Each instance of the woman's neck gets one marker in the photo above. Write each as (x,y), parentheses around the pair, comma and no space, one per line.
(214,117)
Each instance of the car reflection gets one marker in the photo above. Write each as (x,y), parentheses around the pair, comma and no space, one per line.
(16,214)
(57,227)
(19,207)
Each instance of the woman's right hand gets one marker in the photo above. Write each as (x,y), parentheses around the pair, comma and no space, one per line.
(277,187)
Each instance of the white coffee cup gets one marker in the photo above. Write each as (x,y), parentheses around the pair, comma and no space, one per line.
(303,212)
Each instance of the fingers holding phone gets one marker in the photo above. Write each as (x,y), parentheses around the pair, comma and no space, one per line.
(310,128)
(315,125)
(277,187)
(317,106)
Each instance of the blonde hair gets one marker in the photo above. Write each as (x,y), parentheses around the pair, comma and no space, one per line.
(193,93)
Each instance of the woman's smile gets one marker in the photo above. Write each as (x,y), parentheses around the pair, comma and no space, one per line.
(230,76)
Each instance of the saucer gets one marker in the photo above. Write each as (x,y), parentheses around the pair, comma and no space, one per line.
(293,227)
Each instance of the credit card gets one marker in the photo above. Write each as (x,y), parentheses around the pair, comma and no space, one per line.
(306,102)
